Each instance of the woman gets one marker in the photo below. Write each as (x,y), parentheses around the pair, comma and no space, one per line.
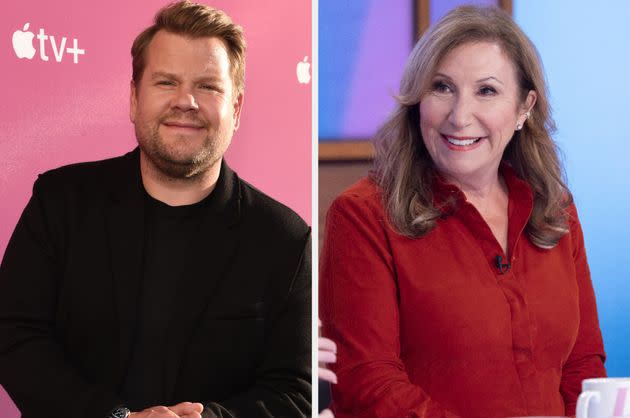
(454,279)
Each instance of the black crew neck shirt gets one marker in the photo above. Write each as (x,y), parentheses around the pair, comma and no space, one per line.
(168,235)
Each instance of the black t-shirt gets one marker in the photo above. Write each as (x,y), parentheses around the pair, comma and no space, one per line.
(168,232)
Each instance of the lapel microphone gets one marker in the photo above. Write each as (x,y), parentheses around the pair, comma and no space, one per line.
(503,268)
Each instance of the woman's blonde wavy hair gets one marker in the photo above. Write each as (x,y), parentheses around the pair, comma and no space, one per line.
(403,167)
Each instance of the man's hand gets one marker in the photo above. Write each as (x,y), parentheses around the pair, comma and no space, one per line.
(187,409)
(181,410)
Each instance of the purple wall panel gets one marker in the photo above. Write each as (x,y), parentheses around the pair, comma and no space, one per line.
(363,47)
(382,51)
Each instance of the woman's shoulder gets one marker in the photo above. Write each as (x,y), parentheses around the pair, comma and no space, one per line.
(364,191)
(358,211)
(573,221)
(363,198)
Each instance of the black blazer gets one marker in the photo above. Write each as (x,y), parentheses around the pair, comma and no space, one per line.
(70,279)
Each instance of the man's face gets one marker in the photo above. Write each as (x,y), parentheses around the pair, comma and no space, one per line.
(185,107)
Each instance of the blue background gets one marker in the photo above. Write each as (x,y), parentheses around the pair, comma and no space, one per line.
(584,47)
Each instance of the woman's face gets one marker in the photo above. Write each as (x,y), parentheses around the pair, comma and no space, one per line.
(471,111)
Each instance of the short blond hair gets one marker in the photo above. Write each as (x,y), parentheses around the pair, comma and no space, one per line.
(195,21)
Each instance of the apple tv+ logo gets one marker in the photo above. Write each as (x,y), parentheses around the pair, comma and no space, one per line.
(23,45)
(303,71)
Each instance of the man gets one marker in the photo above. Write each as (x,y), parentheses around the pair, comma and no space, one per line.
(159,284)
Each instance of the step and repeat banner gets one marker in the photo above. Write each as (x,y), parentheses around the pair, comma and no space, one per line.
(66,69)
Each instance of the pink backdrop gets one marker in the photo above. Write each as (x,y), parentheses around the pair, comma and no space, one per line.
(54,113)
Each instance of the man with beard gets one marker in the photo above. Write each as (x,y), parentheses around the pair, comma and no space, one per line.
(159,284)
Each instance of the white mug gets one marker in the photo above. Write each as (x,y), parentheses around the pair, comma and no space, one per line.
(604,398)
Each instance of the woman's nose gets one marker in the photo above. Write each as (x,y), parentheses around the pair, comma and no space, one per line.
(461,112)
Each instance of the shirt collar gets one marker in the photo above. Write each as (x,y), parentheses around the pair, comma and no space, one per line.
(448,197)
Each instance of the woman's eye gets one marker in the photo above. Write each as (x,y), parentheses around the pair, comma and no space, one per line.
(208,87)
(487,91)
(441,87)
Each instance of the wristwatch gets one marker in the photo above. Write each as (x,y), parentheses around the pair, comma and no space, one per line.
(120,412)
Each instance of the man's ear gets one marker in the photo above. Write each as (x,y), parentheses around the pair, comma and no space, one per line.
(133,102)
(238,106)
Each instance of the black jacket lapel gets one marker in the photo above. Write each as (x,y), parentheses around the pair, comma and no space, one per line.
(125,225)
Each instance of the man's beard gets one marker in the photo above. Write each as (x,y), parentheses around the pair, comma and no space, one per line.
(185,167)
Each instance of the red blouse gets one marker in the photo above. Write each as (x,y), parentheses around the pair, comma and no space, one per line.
(430,327)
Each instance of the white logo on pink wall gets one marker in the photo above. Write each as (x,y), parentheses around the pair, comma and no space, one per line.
(23,45)
(303,71)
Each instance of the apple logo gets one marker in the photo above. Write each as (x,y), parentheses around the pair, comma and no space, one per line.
(23,43)
(303,73)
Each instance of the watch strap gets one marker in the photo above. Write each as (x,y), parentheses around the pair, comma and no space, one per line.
(119,412)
